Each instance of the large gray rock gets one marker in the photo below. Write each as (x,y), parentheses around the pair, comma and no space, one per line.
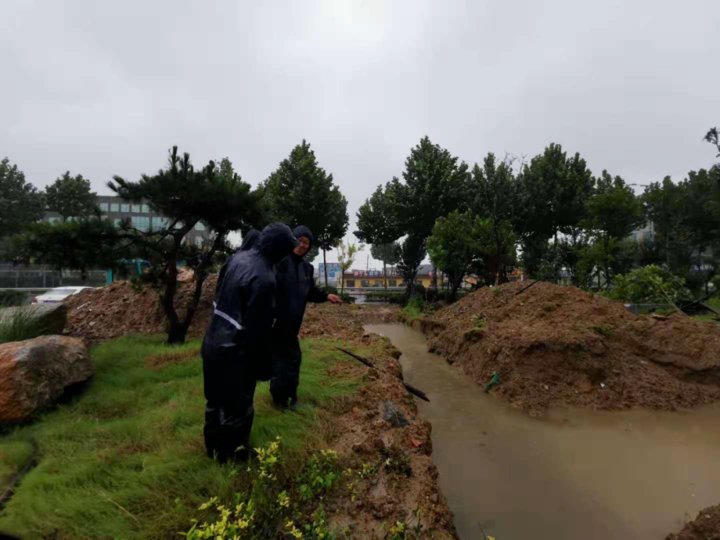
(35,373)
(51,317)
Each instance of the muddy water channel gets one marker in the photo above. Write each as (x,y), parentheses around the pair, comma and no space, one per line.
(576,474)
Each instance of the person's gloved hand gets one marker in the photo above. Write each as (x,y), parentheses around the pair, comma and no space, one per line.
(335,299)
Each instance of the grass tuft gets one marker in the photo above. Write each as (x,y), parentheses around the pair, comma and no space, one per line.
(21,324)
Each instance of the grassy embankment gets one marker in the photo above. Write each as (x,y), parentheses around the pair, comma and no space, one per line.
(125,459)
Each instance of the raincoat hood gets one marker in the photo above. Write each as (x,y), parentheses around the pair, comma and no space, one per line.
(302,230)
(250,240)
(276,242)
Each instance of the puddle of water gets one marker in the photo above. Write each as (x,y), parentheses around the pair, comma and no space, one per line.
(578,474)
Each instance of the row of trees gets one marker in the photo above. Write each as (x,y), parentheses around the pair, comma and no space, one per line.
(298,192)
(565,222)
(22,203)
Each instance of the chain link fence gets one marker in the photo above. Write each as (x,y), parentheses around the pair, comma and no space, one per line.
(42,277)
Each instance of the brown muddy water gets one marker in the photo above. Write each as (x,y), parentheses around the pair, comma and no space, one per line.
(575,475)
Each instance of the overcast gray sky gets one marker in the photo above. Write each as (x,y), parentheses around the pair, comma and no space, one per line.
(103,88)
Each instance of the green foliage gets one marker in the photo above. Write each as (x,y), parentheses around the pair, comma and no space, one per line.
(686,220)
(21,324)
(346,258)
(277,505)
(126,458)
(414,309)
(378,219)
(20,202)
(387,253)
(554,190)
(71,197)
(433,184)
(497,199)
(650,285)
(455,244)
(300,192)
(80,245)
(214,196)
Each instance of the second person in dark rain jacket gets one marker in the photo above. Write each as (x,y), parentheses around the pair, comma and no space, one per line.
(295,288)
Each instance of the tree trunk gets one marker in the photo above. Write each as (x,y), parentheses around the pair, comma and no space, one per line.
(433,284)
(177,333)
(556,262)
(606,249)
(385,279)
(325,267)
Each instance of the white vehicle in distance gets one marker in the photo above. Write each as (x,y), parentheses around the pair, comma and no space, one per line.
(58,294)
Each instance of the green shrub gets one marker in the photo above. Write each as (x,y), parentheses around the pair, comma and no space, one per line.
(21,324)
(276,505)
(650,284)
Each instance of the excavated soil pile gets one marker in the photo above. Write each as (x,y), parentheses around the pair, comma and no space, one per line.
(120,309)
(706,526)
(553,345)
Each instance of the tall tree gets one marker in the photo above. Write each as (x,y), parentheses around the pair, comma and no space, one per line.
(433,184)
(454,246)
(20,202)
(217,198)
(346,258)
(613,212)
(71,197)
(664,208)
(387,253)
(554,190)
(496,197)
(300,192)
(412,253)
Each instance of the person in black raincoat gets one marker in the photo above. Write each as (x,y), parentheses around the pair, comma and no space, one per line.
(295,288)
(236,348)
(250,240)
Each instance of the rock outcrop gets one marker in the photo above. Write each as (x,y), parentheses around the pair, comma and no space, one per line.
(35,373)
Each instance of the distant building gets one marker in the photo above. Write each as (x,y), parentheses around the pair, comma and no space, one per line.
(366,279)
(141,218)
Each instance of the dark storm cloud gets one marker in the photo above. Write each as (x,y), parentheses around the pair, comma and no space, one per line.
(104,88)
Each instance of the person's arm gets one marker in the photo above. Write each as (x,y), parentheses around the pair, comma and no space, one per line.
(317,295)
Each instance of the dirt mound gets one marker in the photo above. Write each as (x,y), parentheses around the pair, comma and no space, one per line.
(706,526)
(120,309)
(560,345)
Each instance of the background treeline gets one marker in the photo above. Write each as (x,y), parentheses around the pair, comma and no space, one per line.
(550,215)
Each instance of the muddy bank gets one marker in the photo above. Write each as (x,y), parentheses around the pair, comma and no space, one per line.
(402,482)
(575,473)
(120,309)
(553,345)
(706,526)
